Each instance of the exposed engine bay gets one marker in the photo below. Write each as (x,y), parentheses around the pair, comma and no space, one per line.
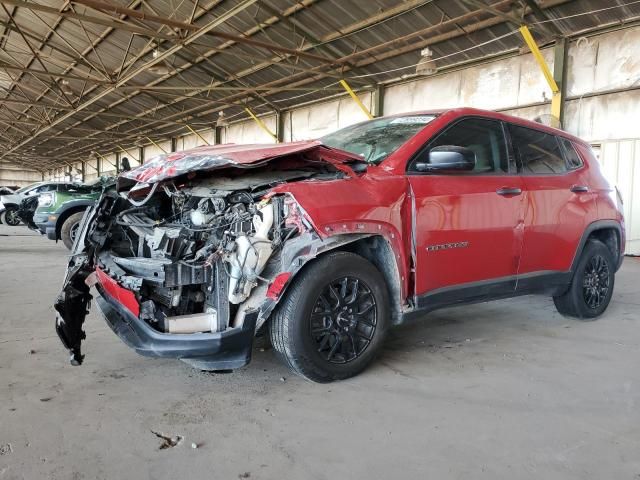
(193,254)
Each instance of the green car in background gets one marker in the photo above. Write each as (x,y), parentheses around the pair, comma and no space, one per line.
(59,213)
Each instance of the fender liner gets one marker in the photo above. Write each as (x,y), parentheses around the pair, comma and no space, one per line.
(594,227)
(295,254)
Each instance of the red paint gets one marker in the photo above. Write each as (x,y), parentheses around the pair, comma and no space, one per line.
(454,208)
(208,158)
(538,230)
(277,286)
(121,295)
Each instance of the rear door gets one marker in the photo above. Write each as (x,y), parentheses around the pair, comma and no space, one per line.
(467,235)
(559,201)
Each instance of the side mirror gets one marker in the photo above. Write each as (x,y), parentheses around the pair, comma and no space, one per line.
(448,158)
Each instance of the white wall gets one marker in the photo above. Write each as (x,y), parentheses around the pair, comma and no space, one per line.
(620,161)
(506,83)
(10,175)
(251,132)
(319,119)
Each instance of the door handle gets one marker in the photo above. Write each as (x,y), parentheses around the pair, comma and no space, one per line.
(579,189)
(506,191)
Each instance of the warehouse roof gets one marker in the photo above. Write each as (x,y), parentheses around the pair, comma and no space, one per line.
(84,75)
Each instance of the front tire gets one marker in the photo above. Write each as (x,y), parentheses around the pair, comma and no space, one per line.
(332,321)
(591,288)
(10,217)
(70,228)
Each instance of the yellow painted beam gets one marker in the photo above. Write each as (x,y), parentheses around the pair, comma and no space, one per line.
(199,136)
(556,102)
(149,138)
(127,152)
(533,46)
(104,160)
(556,99)
(356,99)
(261,124)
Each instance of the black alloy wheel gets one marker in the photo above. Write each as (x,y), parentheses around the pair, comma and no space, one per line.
(591,287)
(333,318)
(344,319)
(595,283)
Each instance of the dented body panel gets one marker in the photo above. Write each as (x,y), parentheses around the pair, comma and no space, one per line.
(206,242)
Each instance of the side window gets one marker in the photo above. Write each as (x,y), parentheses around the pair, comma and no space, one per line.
(573,159)
(482,136)
(45,188)
(539,152)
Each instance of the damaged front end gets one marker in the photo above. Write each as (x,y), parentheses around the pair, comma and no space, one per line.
(191,265)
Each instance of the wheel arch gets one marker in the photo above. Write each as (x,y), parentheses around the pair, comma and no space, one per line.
(377,250)
(75,208)
(300,252)
(608,232)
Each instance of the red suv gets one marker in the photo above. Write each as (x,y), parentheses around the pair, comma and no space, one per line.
(325,245)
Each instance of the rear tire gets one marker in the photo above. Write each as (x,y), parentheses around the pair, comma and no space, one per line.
(70,228)
(332,321)
(10,217)
(591,288)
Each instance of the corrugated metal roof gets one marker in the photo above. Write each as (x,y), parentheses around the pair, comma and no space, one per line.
(69,99)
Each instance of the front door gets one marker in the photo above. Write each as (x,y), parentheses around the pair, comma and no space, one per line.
(467,225)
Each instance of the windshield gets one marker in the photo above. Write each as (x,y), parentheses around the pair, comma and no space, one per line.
(28,187)
(377,139)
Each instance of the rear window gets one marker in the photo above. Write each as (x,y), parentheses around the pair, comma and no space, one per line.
(573,159)
(538,152)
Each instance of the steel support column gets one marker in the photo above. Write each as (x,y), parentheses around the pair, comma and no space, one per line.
(378,101)
(560,73)
(280,127)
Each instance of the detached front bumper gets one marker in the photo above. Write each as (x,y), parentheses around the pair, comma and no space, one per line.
(226,350)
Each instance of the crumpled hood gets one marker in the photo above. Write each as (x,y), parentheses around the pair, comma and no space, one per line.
(171,165)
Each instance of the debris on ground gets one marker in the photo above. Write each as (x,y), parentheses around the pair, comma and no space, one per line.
(244,475)
(32,351)
(46,399)
(194,445)
(6,449)
(282,379)
(168,442)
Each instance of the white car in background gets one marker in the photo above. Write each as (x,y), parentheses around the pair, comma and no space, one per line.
(10,202)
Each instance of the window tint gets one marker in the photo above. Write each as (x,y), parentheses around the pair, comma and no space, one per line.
(573,159)
(484,137)
(539,152)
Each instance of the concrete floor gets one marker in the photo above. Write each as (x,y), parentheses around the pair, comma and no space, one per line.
(507,389)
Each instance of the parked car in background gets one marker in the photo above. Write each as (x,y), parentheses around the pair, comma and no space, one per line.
(4,191)
(327,244)
(59,211)
(10,203)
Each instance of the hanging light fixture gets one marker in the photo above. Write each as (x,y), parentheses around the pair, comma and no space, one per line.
(426,65)
(161,67)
